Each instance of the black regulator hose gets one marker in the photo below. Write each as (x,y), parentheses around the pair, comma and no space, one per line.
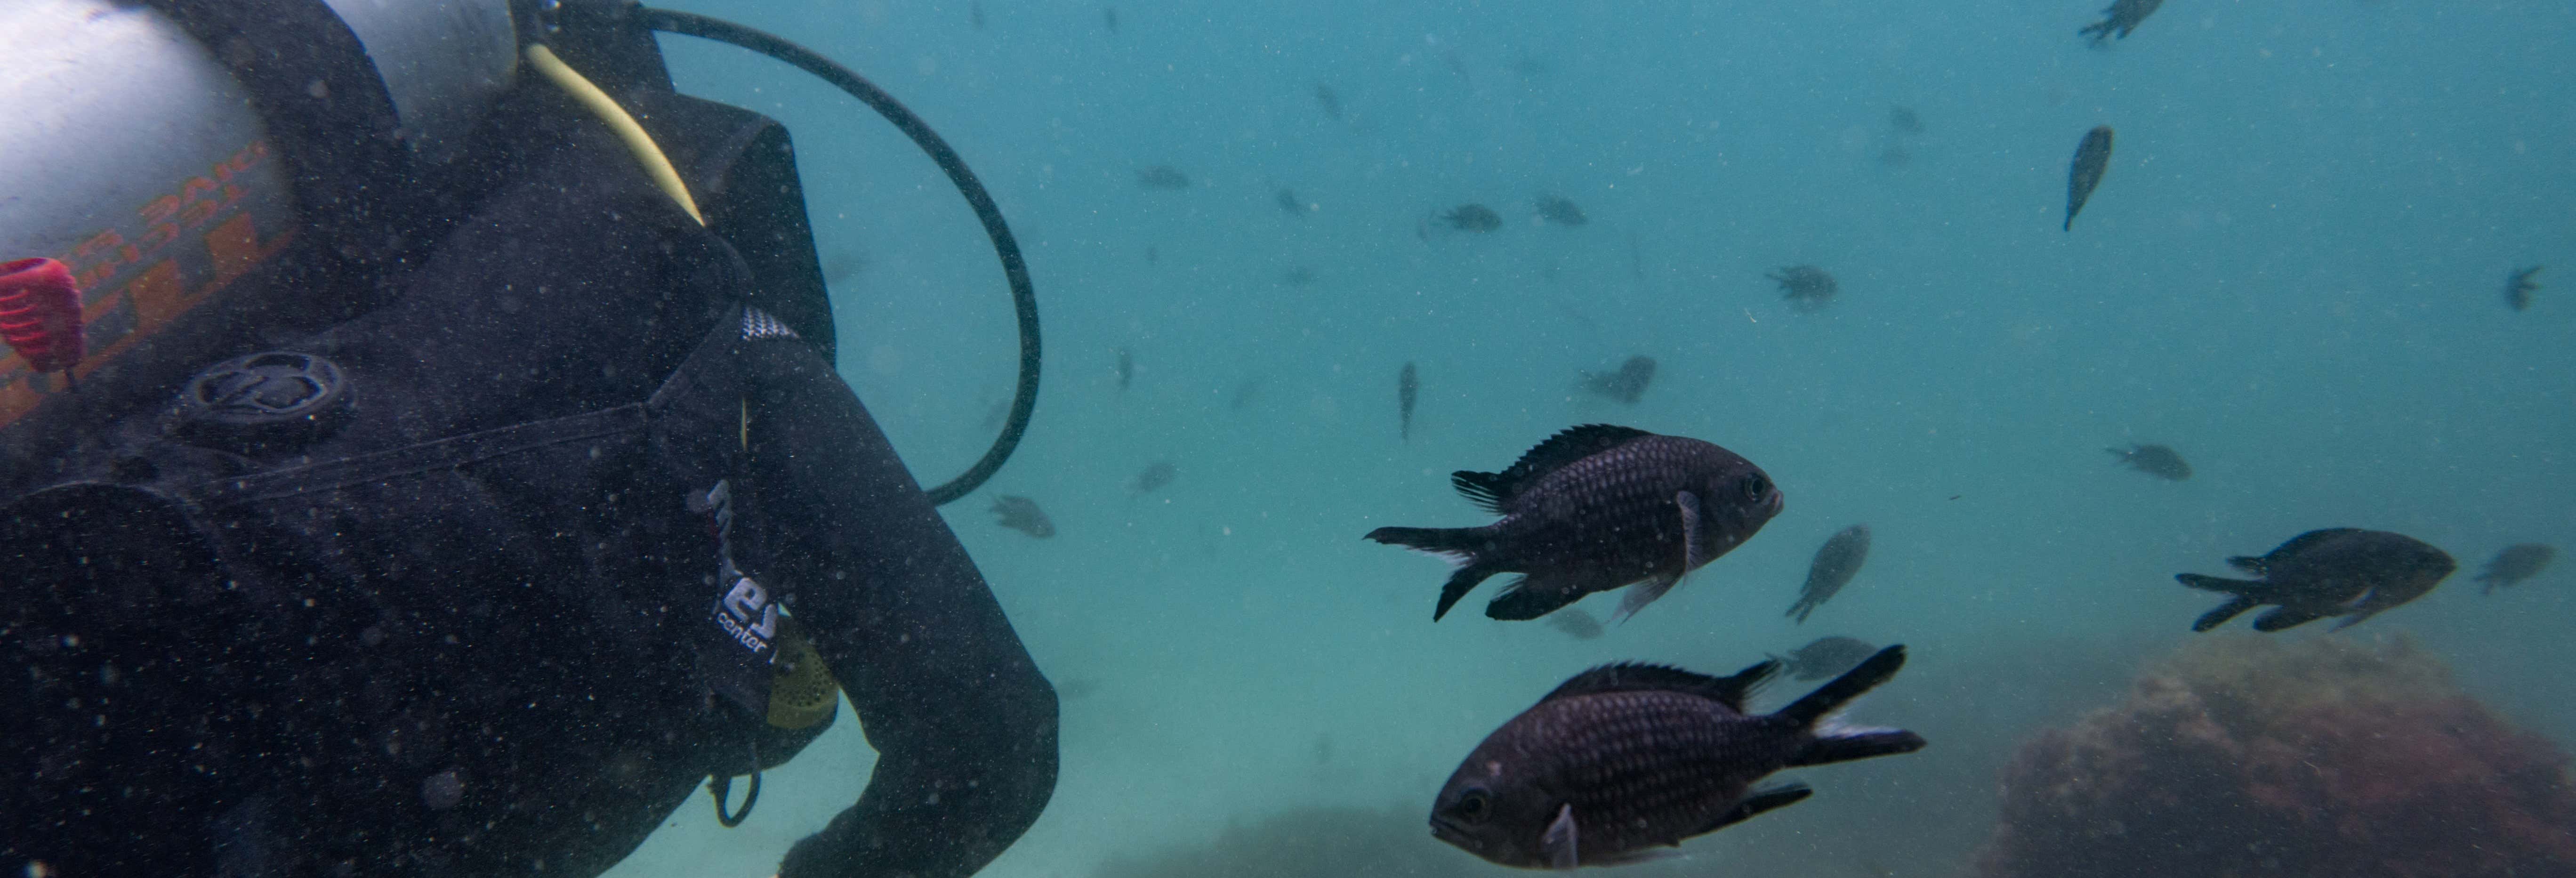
(1024,297)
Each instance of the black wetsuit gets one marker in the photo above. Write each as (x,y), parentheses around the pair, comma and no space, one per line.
(461,633)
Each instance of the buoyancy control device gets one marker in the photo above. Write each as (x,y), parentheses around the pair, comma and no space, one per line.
(223,353)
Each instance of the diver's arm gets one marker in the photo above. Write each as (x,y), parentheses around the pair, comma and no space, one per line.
(963,723)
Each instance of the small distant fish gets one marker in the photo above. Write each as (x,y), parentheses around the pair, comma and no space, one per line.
(1153,478)
(1560,210)
(1895,156)
(975,13)
(2156,460)
(1126,369)
(1153,255)
(1575,623)
(2122,16)
(1076,688)
(1836,562)
(1244,394)
(1626,385)
(1022,514)
(2338,571)
(2515,564)
(1329,100)
(1297,276)
(1162,177)
(840,268)
(1806,287)
(1109,17)
(1527,67)
(1288,201)
(1408,386)
(1626,758)
(2518,287)
(1472,218)
(1902,120)
(2092,157)
(1594,508)
(1825,657)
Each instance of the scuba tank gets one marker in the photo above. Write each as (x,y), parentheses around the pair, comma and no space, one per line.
(167,153)
(171,152)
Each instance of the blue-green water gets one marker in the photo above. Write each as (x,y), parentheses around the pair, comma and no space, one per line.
(2293,272)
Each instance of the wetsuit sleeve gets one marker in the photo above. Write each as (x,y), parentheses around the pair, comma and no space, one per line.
(963,723)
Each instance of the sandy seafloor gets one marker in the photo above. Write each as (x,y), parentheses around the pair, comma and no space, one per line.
(2293,273)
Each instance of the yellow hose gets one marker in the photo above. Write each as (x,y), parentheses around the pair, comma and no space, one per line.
(637,142)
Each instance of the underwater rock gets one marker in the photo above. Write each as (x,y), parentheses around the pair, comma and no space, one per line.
(2320,757)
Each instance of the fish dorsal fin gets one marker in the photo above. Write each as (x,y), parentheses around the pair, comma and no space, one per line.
(1638,677)
(1492,491)
(2306,541)
(2296,545)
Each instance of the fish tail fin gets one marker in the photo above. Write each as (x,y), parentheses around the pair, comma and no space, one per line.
(1455,543)
(2219,583)
(1817,705)
(1459,545)
(1847,745)
(1806,604)
(2246,594)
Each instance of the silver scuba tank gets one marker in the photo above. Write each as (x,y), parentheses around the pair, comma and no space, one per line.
(136,156)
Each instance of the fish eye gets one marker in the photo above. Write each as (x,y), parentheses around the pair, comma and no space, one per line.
(1473,805)
(1755,486)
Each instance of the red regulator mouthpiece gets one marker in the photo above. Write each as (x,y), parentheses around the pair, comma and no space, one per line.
(40,313)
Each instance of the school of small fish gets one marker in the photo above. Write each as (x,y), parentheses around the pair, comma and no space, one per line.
(1627,759)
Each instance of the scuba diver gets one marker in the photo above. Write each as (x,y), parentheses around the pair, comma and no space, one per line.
(421,454)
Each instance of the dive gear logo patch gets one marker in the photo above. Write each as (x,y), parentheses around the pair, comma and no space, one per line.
(740,640)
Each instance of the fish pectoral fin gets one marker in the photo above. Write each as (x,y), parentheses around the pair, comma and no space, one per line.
(1696,550)
(1559,842)
(1639,595)
(2222,584)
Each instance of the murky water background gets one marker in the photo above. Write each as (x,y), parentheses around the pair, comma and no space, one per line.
(2293,273)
